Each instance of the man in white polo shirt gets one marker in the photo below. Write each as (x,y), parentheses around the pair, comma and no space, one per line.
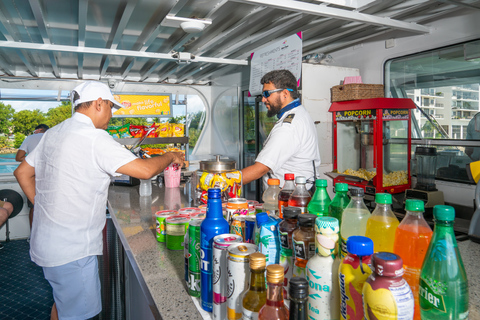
(67,178)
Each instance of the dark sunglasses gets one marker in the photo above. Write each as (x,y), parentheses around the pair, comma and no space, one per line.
(267,93)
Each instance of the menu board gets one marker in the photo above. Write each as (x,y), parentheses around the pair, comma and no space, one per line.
(284,54)
(143,105)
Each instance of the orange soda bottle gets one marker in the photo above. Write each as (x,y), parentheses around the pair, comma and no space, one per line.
(382,224)
(412,238)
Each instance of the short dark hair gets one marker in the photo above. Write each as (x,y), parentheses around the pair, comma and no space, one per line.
(83,105)
(42,126)
(282,79)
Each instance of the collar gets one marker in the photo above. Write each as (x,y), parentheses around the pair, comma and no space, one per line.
(292,105)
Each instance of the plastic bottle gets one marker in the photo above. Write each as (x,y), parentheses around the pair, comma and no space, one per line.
(213,224)
(270,197)
(274,308)
(256,296)
(322,272)
(339,202)
(353,272)
(386,295)
(300,196)
(298,299)
(443,289)
(285,193)
(286,229)
(303,243)
(383,223)
(145,188)
(412,238)
(320,201)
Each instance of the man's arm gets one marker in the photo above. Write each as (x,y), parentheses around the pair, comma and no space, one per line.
(20,156)
(148,168)
(254,172)
(25,175)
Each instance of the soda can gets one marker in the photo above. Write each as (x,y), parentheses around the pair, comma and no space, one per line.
(258,208)
(198,216)
(194,258)
(286,261)
(160,226)
(252,202)
(236,207)
(188,210)
(250,229)
(238,275)
(220,246)
(238,226)
(186,242)
(176,226)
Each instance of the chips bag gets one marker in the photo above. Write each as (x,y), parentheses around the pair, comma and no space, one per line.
(163,130)
(137,131)
(178,129)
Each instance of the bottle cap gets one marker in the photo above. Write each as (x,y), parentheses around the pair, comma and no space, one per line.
(275,273)
(360,246)
(306,220)
(321,183)
(298,288)
(414,205)
(273,182)
(291,212)
(357,192)
(262,217)
(301,179)
(383,198)
(442,212)
(257,261)
(327,225)
(214,193)
(341,187)
(387,264)
(289,176)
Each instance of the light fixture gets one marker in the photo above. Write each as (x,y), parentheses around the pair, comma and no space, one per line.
(192,26)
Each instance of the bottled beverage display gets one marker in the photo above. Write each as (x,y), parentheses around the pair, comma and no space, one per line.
(256,296)
(270,196)
(303,243)
(274,308)
(443,290)
(298,293)
(213,224)
(353,272)
(412,238)
(386,295)
(286,229)
(320,201)
(339,202)
(322,272)
(354,219)
(383,223)
(269,243)
(300,196)
(285,193)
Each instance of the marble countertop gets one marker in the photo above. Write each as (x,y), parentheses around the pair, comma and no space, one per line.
(470,252)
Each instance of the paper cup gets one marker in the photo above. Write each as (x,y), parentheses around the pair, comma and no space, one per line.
(172,176)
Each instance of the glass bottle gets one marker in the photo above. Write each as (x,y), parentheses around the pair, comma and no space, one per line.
(383,223)
(285,193)
(256,296)
(286,229)
(412,238)
(300,196)
(320,201)
(339,202)
(443,290)
(303,243)
(274,308)
(298,299)
(354,219)
(270,197)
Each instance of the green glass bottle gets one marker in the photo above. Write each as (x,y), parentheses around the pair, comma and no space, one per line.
(443,287)
(339,202)
(320,201)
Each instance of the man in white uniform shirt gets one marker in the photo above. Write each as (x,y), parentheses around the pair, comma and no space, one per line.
(67,178)
(291,146)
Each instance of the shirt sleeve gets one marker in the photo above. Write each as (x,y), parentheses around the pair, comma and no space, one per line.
(24,144)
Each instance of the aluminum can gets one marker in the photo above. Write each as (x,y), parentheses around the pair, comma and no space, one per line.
(252,202)
(160,226)
(250,229)
(238,275)
(188,210)
(259,208)
(238,226)
(186,242)
(220,246)
(286,261)
(198,216)
(194,258)
(176,226)
(236,207)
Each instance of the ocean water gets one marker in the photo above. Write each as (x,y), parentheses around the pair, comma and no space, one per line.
(8,163)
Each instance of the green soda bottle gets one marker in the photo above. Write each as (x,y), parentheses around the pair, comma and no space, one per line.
(339,202)
(320,201)
(443,287)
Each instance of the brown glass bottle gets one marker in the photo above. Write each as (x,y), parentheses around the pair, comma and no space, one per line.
(288,226)
(256,296)
(274,308)
(303,243)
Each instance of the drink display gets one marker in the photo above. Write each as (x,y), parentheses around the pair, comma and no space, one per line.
(339,202)
(285,193)
(300,196)
(322,272)
(383,223)
(386,295)
(443,286)
(236,207)
(176,226)
(237,226)
(269,243)
(303,243)
(250,222)
(412,238)
(256,296)
(160,227)
(270,197)
(354,219)
(286,229)
(194,258)
(298,293)
(320,201)
(274,308)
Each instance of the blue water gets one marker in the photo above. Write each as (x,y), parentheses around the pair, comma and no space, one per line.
(8,158)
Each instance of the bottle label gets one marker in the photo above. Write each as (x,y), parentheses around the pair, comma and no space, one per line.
(431,294)
(343,247)
(284,240)
(392,302)
(300,251)
(311,249)
(250,315)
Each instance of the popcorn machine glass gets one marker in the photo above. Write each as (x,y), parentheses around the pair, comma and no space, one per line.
(372,143)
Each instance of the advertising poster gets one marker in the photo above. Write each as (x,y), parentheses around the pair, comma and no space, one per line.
(143,105)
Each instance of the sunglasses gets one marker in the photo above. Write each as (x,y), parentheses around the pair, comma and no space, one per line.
(267,93)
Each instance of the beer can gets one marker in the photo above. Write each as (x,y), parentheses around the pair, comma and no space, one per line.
(194,258)
(238,275)
(160,226)
(286,261)
(198,216)
(236,207)
(188,209)
(220,246)
(250,229)
(176,226)
(252,202)
(186,242)
(238,226)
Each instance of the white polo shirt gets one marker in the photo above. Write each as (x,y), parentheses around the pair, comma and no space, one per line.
(73,164)
(290,147)
(31,142)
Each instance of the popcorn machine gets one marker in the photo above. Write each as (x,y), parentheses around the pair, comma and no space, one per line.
(372,143)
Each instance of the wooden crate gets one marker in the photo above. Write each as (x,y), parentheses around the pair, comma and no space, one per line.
(356,91)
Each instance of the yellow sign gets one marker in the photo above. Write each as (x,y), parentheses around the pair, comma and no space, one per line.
(143,105)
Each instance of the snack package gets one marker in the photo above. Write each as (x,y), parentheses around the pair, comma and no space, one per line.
(113,131)
(163,130)
(137,131)
(124,131)
(178,129)
(154,133)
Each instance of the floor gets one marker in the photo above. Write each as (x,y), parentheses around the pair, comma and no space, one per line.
(24,292)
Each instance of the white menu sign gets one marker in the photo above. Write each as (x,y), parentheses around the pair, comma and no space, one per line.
(284,54)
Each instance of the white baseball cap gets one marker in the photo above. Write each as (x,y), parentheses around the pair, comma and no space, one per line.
(91,91)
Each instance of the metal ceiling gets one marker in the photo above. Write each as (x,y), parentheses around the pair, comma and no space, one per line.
(142,41)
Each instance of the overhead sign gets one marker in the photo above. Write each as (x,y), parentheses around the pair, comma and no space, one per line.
(284,54)
(142,105)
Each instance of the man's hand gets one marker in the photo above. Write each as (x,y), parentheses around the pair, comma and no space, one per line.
(178,157)
(148,168)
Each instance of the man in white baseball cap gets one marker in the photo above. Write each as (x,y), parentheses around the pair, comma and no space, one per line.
(67,178)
